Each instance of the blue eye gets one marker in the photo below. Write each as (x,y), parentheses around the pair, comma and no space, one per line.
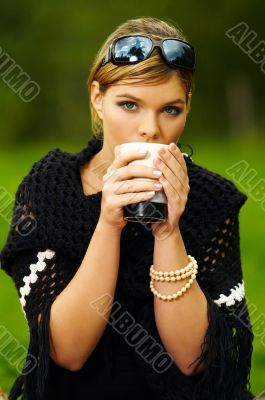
(124,106)
(176,109)
(124,103)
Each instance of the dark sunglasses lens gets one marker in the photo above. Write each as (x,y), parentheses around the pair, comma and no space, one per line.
(132,49)
(179,54)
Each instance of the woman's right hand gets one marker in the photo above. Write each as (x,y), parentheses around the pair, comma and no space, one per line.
(120,190)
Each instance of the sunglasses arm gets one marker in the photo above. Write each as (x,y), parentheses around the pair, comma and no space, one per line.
(107,58)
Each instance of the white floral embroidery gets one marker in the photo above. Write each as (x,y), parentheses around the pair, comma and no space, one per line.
(237,293)
(32,277)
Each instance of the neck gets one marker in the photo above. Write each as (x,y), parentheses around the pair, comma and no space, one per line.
(98,166)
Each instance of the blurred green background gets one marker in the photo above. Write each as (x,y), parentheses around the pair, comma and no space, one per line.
(55,43)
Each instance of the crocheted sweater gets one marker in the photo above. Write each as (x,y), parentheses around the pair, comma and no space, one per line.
(53,222)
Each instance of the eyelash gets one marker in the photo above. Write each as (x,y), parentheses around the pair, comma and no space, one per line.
(123,103)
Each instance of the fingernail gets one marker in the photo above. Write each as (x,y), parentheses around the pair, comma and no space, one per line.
(157,172)
(142,151)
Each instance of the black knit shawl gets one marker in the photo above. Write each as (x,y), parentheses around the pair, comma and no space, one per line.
(51,212)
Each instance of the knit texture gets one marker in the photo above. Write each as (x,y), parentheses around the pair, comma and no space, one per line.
(53,222)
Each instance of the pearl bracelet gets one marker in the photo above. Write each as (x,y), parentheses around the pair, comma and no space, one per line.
(180,271)
(180,292)
(173,278)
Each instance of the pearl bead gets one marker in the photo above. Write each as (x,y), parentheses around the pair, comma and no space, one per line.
(189,271)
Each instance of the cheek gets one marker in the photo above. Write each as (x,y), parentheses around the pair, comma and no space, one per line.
(115,116)
(182,122)
(175,124)
(110,118)
(173,130)
(117,120)
(118,125)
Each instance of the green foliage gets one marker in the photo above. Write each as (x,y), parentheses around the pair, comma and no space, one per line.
(56,43)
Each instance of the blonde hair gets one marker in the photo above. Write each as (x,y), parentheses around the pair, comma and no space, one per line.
(150,71)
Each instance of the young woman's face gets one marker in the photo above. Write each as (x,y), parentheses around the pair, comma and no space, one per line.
(153,114)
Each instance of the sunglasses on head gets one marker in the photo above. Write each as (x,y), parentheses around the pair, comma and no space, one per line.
(131,49)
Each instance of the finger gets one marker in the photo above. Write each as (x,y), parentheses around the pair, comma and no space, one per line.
(124,157)
(136,171)
(174,151)
(131,198)
(110,171)
(171,190)
(179,156)
(176,163)
(136,185)
(172,177)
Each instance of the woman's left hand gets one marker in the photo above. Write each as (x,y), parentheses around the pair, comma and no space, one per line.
(175,183)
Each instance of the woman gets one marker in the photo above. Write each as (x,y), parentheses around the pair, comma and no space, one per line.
(99,326)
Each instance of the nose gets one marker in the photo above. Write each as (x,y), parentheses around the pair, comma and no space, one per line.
(149,127)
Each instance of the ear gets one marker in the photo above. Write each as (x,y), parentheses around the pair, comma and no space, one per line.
(96,98)
(188,103)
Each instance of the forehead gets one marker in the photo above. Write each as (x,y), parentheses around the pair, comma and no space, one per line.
(170,89)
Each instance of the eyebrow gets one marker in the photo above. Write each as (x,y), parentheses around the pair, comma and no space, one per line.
(180,101)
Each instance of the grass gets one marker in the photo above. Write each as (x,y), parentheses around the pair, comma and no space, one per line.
(15,163)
